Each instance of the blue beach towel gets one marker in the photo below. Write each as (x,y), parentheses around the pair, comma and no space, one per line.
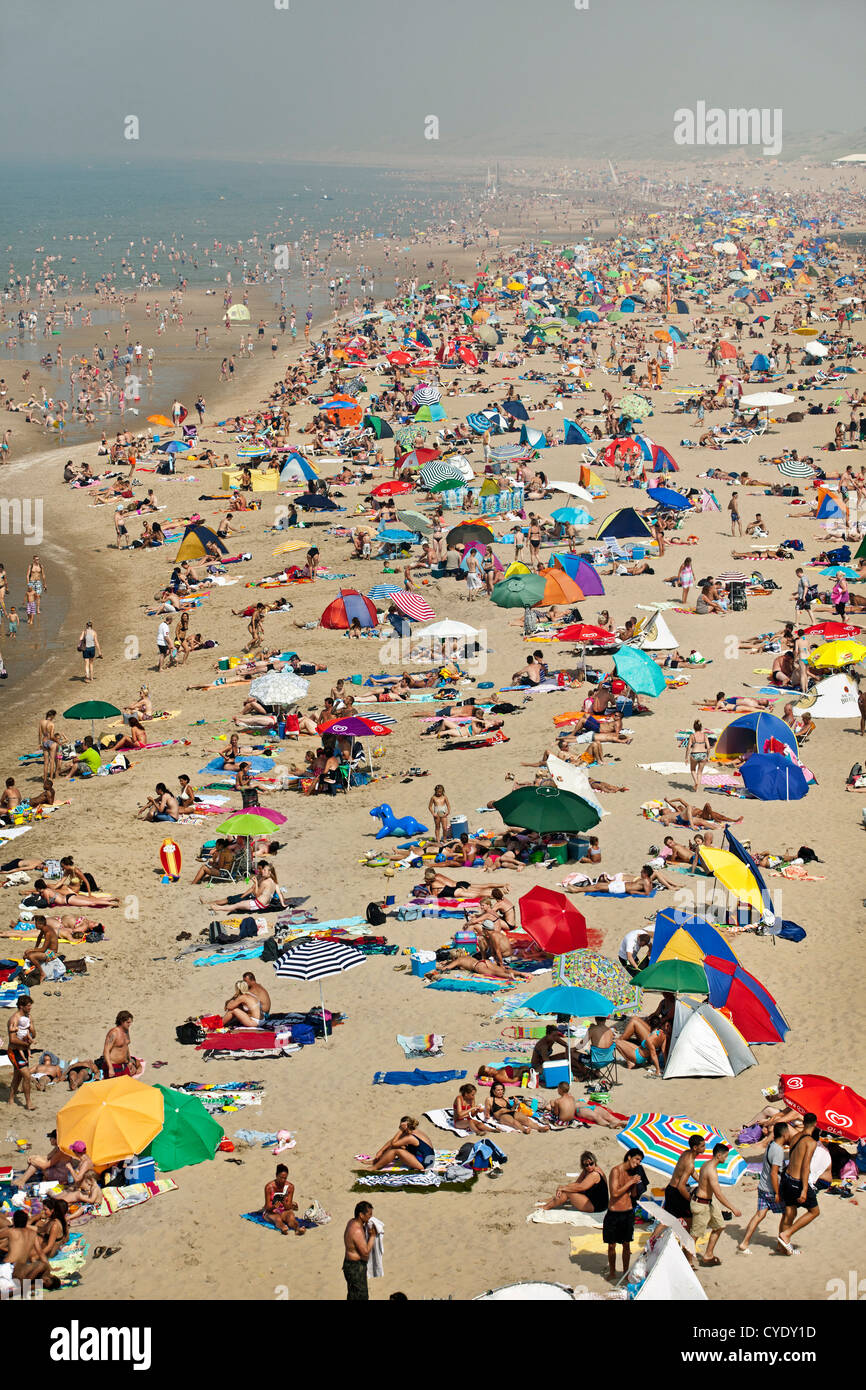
(416,1077)
(470,986)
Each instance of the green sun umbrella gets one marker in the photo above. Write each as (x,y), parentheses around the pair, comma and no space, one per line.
(249,824)
(519,591)
(450,483)
(414,521)
(92,710)
(547,809)
(679,976)
(188,1135)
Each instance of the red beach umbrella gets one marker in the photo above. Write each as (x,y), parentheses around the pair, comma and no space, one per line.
(552,921)
(836,1106)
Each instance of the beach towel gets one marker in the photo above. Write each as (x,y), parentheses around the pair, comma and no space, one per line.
(258,1220)
(421,1044)
(444,1119)
(470,986)
(567,1216)
(593,1243)
(415,1078)
(249,953)
(69,1260)
(239,1040)
(118,1198)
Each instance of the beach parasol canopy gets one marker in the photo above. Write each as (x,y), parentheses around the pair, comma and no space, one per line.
(189,1133)
(571,1000)
(349,605)
(836,1106)
(355,726)
(92,710)
(116,1119)
(639,671)
(749,1005)
(587,635)
(734,875)
(415,522)
(279,688)
(572,516)
(393,488)
(663,1138)
(547,809)
(317,960)
(830,629)
(834,655)
(590,970)
(469,532)
(249,824)
(676,976)
(552,921)
(520,591)
(447,627)
(413,606)
(772,777)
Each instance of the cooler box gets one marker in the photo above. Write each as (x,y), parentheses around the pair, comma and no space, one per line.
(554,1072)
(638,552)
(139,1170)
(557,851)
(421,967)
(465,938)
(459,826)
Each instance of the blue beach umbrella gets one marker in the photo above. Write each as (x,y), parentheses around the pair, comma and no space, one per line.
(639,671)
(666,497)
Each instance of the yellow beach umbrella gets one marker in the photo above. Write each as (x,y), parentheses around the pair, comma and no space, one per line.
(516,567)
(734,875)
(115,1119)
(805,332)
(832,655)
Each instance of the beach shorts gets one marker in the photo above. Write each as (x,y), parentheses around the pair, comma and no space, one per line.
(676,1204)
(19,1057)
(705,1218)
(790,1191)
(89,653)
(37,586)
(618,1227)
(355,1275)
(766,1202)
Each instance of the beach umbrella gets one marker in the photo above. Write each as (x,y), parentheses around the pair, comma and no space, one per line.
(384,592)
(639,671)
(415,522)
(175,446)
(393,488)
(552,921)
(520,591)
(571,1000)
(666,497)
(413,606)
(92,710)
(795,468)
(317,960)
(430,412)
(735,876)
(279,688)
(634,406)
(663,1138)
(837,1107)
(587,635)
(116,1119)
(238,313)
(442,478)
(409,435)
(839,572)
(470,533)
(833,655)
(572,490)
(831,629)
(572,516)
(815,349)
(591,970)
(341,611)
(547,809)
(749,1005)
(189,1133)
(581,571)
(674,975)
(426,393)
(250,824)
(355,726)
(772,777)
(316,502)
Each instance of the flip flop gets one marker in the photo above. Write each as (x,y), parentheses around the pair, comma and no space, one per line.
(709,1264)
(99,1252)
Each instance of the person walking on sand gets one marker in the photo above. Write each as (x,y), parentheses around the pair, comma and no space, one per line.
(88,645)
(795,1190)
(626,1183)
(705,1215)
(37,581)
(22,1036)
(697,753)
(769,1196)
(359,1238)
(440,809)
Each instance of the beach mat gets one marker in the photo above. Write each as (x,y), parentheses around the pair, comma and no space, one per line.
(258,1220)
(470,986)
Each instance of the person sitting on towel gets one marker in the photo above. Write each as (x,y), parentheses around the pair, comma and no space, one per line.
(243,1009)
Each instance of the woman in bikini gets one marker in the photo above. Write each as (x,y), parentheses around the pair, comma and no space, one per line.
(505,1112)
(440,809)
(22,1035)
(65,897)
(266,892)
(697,753)
(408,1147)
(135,738)
(464,1112)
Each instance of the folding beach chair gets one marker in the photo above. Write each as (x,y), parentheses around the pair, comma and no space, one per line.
(601,1066)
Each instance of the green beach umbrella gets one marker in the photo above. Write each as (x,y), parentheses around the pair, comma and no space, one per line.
(92,710)
(519,591)
(249,824)
(188,1135)
(678,976)
(547,809)
(414,521)
(615,316)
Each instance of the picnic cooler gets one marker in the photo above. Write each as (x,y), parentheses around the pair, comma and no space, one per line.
(420,966)
(554,1072)
(139,1170)
(557,851)
(459,826)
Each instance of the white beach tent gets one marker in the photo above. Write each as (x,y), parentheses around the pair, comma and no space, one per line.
(653,634)
(573,779)
(670,1278)
(529,1292)
(705,1043)
(833,698)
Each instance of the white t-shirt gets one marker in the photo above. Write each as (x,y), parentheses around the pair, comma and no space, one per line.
(629,943)
(163,635)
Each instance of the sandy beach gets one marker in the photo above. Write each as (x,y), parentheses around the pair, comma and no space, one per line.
(191,1243)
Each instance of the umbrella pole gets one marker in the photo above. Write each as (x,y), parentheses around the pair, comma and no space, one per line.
(322,1002)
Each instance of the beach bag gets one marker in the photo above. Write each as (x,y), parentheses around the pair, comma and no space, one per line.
(375,916)
(790,931)
(53,969)
(190,1033)
(303,1034)
(270,949)
(80,646)
(316,1214)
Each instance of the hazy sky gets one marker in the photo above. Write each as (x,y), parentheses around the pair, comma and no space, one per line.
(248,80)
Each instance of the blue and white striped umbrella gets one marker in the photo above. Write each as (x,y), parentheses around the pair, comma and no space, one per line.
(426,394)
(312,959)
(383,591)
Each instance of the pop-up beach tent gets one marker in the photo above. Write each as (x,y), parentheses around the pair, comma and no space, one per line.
(654,635)
(705,1043)
(755,732)
(670,1277)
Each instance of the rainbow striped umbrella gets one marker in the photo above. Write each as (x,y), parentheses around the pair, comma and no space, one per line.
(589,970)
(662,1138)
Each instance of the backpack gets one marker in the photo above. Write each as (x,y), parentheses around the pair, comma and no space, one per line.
(270,949)
(190,1033)
(375,916)
(856,771)
(303,1034)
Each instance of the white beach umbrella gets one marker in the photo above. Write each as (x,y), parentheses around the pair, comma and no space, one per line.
(816,349)
(279,688)
(446,627)
(572,490)
(764,399)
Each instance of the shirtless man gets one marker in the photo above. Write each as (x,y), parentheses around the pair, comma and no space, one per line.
(22,1036)
(280,1205)
(704,1215)
(23,1251)
(243,1009)
(44,949)
(626,1181)
(801,1200)
(358,1240)
(253,987)
(678,1194)
(116,1059)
